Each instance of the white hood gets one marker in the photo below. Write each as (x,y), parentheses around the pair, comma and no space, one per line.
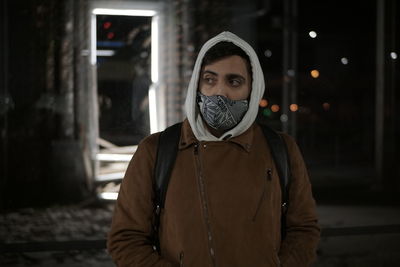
(192,111)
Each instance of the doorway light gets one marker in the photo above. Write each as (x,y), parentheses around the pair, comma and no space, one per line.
(105,53)
(117,12)
(124,12)
(154,49)
(153,109)
(108,195)
(113,157)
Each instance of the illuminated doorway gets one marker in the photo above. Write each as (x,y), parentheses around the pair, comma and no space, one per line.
(124,53)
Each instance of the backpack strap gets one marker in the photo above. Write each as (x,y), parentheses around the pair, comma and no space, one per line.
(280,155)
(167,150)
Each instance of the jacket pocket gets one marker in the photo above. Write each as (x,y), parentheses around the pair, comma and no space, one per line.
(181,259)
(267,179)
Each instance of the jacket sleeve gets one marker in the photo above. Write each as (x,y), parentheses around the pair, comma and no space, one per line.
(302,230)
(129,240)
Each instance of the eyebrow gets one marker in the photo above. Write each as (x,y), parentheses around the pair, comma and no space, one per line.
(210,72)
(235,76)
(230,75)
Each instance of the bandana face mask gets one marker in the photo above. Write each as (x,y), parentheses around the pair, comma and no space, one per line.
(220,112)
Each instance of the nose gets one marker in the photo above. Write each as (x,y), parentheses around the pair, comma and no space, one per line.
(222,89)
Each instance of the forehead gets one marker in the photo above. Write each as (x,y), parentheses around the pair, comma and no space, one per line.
(228,65)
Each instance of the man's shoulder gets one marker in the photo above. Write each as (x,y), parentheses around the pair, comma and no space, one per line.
(288,139)
(150,140)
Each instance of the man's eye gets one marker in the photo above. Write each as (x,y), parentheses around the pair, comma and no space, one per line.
(208,80)
(235,82)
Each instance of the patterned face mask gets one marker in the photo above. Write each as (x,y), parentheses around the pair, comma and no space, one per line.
(220,112)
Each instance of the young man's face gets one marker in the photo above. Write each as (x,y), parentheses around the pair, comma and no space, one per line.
(228,77)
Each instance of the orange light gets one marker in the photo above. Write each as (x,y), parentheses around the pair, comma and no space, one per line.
(294,107)
(275,108)
(315,74)
(326,106)
(263,103)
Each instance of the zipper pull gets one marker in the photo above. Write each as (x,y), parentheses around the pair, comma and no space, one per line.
(269,174)
(181,259)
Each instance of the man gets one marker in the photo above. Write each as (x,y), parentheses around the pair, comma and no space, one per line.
(223,203)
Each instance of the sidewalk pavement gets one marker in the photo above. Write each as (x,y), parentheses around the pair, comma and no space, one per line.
(63,223)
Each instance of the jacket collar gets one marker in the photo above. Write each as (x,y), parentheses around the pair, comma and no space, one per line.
(245,140)
(187,136)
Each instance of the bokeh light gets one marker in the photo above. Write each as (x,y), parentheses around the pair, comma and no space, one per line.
(312,34)
(110,35)
(263,103)
(315,74)
(275,108)
(107,25)
(267,112)
(326,106)
(293,107)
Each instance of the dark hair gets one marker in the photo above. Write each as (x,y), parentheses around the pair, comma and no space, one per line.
(225,49)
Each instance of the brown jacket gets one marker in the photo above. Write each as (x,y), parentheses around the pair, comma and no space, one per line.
(222,207)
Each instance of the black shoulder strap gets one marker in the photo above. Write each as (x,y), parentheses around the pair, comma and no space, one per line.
(166,154)
(167,150)
(280,155)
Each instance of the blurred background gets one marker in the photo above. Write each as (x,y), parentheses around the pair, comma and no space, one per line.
(83,81)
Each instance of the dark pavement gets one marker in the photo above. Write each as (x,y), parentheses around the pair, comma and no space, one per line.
(91,222)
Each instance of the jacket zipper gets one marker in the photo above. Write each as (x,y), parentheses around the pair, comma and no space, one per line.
(204,203)
(269,178)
